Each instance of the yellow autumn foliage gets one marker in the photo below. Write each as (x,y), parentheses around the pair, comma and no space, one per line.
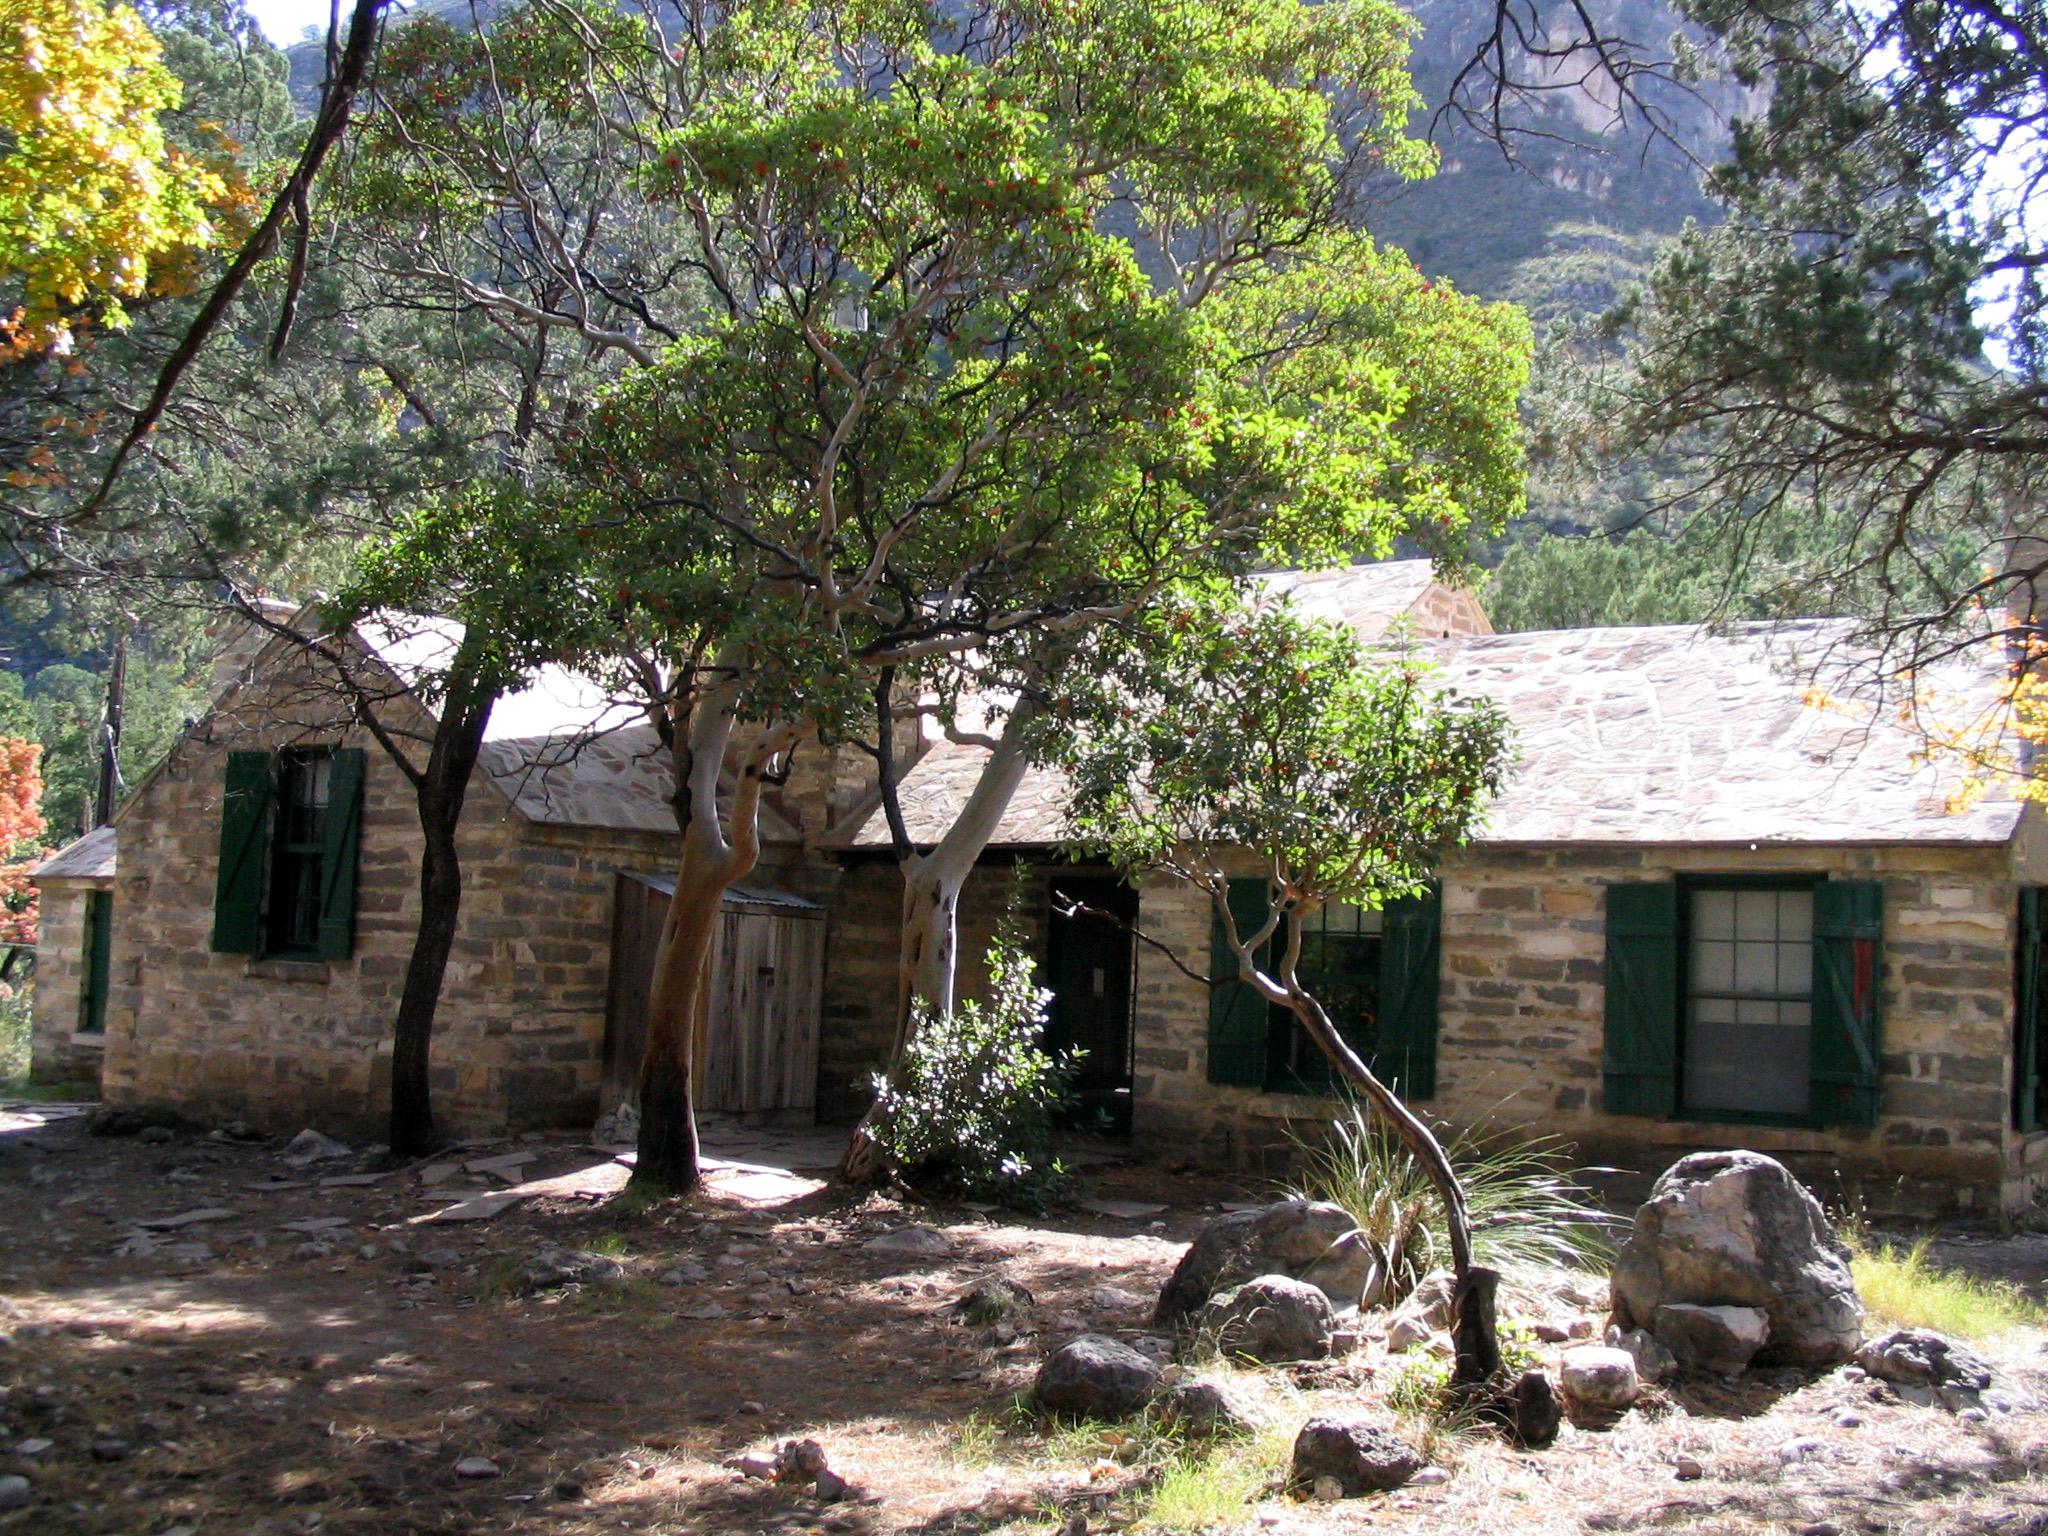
(91,195)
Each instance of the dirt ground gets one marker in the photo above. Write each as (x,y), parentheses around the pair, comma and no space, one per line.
(318,1359)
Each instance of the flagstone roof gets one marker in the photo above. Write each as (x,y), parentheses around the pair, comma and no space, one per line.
(90,857)
(1665,734)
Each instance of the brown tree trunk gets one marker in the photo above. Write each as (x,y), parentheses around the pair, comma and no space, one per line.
(667,1161)
(719,848)
(412,1031)
(1475,1332)
(440,791)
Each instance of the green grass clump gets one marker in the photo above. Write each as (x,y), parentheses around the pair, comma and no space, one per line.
(1904,1287)
(1528,1210)
(1211,1487)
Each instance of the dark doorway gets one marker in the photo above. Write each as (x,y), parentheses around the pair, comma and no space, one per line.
(1088,965)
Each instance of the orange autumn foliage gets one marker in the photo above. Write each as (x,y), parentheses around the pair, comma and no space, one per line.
(21,830)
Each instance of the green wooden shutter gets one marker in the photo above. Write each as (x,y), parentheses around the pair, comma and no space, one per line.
(1238,1016)
(99,945)
(1640,1054)
(244,835)
(339,837)
(1409,950)
(1848,930)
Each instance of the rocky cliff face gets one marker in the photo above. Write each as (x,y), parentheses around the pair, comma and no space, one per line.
(1563,230)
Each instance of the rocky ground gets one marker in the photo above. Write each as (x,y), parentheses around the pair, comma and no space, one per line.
(197,1335)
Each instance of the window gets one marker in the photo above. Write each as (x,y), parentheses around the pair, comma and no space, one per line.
(99,943)
(1730,1000)
(296,887)
(1749,1001)
(287,877)
(1340,966)
(2030,981)
(1375,972)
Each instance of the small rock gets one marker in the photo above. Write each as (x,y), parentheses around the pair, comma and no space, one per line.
(14,1492)
(1203,1409)
(1820,1528)
(309,1147)
(1538,1409)
(1269,1319)
(1922,1358)
(1653,1361)
(368,1251)
(703,1312)
(1579,1328)
(1804,1448)
(761,1466)
(1719,1339)
(155,1135)
(1357,1453)
(831,1486)
(994,1300)
(1114,1298)
(442,1258)
(110,1448)
(802,1460)
(1848,1421)
(1406,1332)
(33,1448)
(753,1409)
(685,1274)
(1973,1416)
(473,1469)
(1328,1490)
(568,1488)
(1599,1384)
(1429,1477)
(1098,1378)
(1549,1332)
(313,1248)
(1687,1469)
(555,1267)
(913,1242)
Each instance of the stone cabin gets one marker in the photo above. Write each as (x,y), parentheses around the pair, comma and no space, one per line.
(1719,902)
(234,943)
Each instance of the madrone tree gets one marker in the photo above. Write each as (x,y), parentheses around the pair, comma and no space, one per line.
(1018,315)
(1275,766)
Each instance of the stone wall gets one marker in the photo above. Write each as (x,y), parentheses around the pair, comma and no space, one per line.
(288,1043)
(1523,997)
(58,1052)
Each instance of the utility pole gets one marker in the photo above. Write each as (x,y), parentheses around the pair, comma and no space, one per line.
(110,735)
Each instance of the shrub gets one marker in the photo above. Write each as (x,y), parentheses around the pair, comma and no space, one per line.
(1528,1210)
(970,1109)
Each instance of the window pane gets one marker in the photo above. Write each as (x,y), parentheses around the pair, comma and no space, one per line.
(1713,966)
(1756,914)
(1756,967)
(1795,968)
(1713,914)
(1795,915)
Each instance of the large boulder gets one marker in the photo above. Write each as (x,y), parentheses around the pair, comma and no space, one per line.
(1310,1240)
(1269,1319)
(1097,1378)
(1735,1229)
(1361,1455)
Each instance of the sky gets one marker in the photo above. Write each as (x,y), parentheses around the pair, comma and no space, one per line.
(285,21)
